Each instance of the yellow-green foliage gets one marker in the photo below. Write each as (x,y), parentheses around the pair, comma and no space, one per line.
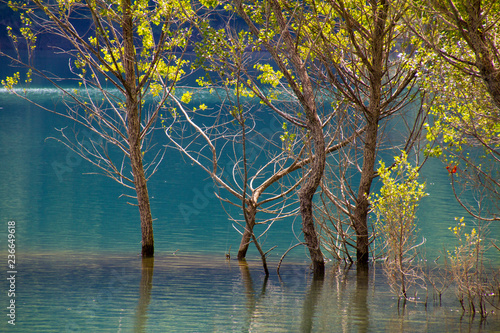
(269,75)
(468,271)
(395,209)
(464,256)
(287,138)
(462,110)
(396,204)
(186,97)
(11,81)
(160,30)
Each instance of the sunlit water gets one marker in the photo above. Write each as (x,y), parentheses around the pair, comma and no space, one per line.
(180,293)
(78,242)
(71,292)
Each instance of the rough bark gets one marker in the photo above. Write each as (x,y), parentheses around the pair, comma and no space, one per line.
(134,133)
(372,115)
(303,90)
(476,36)
(142,199)
(247,234)
(307,99)
(306,196)
(362,204)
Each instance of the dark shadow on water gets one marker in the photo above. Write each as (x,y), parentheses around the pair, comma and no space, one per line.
(145,286)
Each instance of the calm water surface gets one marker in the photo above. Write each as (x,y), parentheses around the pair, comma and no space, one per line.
(61,292)
(78,243)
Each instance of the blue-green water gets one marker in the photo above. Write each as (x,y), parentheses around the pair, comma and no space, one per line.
(77,246)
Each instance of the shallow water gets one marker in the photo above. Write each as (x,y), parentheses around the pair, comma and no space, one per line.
(77,245)
(68,292)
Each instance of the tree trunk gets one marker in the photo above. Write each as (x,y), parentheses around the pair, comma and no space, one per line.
(307,193)
(141,190)
(134,132)
(247,234)
(362,204)
(477,38)
(372,115)
(303,90)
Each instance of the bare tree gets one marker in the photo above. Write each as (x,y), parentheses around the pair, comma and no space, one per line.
(280,38)
(126,58)
(226,144)
(363,49)
(227,55)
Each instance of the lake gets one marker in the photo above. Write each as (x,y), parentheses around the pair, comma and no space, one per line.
(78,244)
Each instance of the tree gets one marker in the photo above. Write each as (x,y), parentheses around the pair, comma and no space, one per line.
(240,160)
(280,38)
(464,34)
(462,69)
(363,51)
(284,82)
(395,209)
(303,96)
(129,53)
(262,177)
(322,70)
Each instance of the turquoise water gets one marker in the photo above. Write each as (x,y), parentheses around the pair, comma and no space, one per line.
(64,292)
(78,241)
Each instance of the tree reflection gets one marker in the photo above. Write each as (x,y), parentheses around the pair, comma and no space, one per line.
(145,286)
(310,303)
(251,297)
(360,307)
(246,278)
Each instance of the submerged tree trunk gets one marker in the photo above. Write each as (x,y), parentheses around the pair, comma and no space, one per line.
(302,87)
(141,190)
(134,132)
(362,204)
(372,115)
(307,99)
(307,193)
(251,212)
